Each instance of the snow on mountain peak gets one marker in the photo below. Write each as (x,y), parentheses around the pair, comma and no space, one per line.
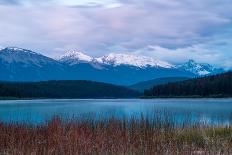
(74,57)
(117,59)
(16,49)
(26,57)
(197,68)
(133,60)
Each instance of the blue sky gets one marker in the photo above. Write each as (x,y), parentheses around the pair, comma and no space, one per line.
(170,30)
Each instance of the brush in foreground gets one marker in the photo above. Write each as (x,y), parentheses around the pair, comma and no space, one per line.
(114,136)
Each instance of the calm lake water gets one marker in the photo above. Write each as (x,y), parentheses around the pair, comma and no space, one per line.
(210,111)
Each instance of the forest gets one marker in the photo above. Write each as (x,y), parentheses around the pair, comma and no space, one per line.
(64,89)
(219,85)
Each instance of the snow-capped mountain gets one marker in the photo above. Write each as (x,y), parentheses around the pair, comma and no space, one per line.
(132,60)
(74,57)
(200,69)
(12,55)
(115,60)
(17,64)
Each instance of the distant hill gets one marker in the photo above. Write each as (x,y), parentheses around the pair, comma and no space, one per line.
(141,86)
(212,86)
(64,89)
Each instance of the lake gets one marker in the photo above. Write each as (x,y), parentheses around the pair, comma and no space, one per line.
(208,111)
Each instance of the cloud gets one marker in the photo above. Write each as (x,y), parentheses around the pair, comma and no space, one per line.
(214,52)
(200,53)
(109,3)
(177,30)
(4,2)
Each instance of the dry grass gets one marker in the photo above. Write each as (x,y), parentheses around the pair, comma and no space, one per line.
(114,136)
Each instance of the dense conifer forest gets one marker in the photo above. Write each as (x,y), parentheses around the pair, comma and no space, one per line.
(64,89)
(210,86)
(141,86)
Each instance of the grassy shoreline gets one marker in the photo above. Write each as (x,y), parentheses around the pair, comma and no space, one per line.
(113,136)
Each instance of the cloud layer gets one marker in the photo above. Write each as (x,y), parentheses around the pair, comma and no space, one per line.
(169,30)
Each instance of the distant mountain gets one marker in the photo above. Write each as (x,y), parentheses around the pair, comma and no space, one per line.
(18,64)
(121,69)
(132,60)
(114,59)
(200,69)
(64,89)
(219,85)
(73,58)
(141,86)
(114,68)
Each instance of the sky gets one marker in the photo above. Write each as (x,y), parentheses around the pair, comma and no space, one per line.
(169,30)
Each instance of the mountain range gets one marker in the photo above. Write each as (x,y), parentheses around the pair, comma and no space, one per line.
(17,64)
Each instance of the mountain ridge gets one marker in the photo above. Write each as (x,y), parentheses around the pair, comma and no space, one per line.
(200,69)
(115,59)
(19,64)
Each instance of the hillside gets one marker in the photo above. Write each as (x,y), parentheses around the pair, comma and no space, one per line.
(64,89)
(212,86)
(141,86)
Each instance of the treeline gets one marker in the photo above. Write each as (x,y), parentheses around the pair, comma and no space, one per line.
(64,89)
(211,86)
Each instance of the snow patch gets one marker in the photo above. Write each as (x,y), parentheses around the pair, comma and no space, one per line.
(132,60)
(74,57)
(12,55)
(200,69)
(204,72)
(16,49)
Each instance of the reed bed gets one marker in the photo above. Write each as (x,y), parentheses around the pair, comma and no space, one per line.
(114,137)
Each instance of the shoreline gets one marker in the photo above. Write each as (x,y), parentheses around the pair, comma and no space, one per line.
(150,98)
(146,98)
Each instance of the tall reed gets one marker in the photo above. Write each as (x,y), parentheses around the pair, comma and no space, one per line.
(160,134)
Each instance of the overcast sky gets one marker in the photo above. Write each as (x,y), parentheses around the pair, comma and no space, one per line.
(170,30)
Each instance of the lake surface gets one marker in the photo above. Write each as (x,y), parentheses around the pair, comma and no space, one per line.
(209,111)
